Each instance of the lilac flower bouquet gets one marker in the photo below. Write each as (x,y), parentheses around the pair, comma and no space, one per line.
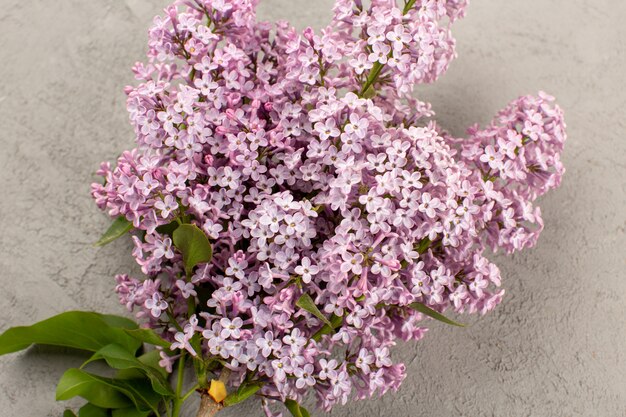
(296,210)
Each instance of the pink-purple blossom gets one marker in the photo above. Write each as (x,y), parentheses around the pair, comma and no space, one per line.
(309,174)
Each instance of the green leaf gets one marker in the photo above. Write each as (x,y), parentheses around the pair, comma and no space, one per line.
(152,359)
(193,244)
(108,392)
(93,388)
(296,409)
(433,314)
(118,228)
(69,413)
(74,329)
(90,410)
(293,407)
(305,302)
(119,358)
(130,412)
(148,336)
(119,321)
(423,245)
(244,392)
(141,393)
(335,322)
(168,229)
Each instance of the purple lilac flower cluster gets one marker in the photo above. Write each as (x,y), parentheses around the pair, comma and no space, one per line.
(311,168)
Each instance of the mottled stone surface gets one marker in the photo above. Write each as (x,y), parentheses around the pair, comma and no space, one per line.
(555,347)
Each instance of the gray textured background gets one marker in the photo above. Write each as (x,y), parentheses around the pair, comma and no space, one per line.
(555,347)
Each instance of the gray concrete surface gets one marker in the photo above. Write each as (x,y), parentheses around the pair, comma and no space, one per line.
(555,347)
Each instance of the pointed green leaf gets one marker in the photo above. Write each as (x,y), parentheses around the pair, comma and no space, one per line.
(90,410)
(335,322)
(74,329)
(108,392)
(131,373)
(148,336)
(95,389)
(244,392)
(293,407)
(69,413)
(118,228)
(296,409)
(119,358)
(193,244)
(305,302)
(130,412)
(423,245)
(152,359)
(433,314)
(141,393)
(168,229)
(119,321)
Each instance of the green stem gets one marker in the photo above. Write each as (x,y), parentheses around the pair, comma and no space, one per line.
(178,401)
(378,67)
(188,393)
(173,321)
(408,6)
(372,77)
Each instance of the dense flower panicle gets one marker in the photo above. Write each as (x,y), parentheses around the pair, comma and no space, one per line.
(312,170)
